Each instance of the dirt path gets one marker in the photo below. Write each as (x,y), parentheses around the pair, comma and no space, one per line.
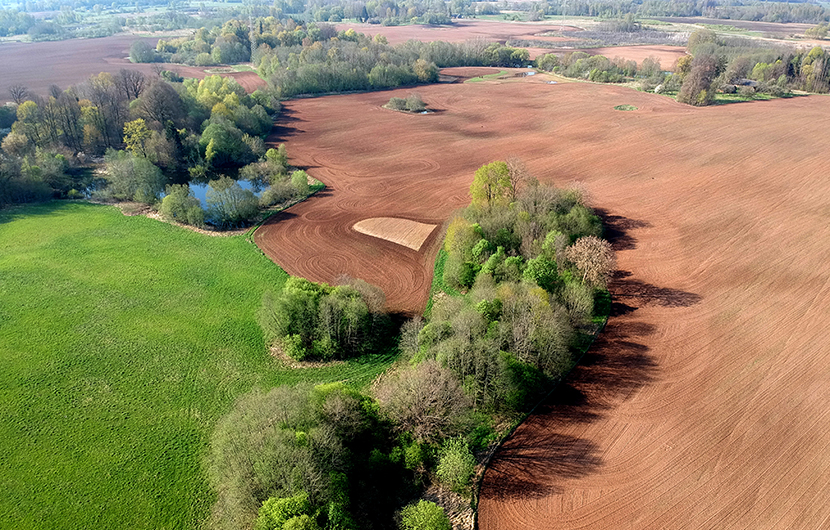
(705,404)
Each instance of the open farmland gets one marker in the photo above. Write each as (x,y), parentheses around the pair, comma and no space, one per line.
(122,341)
(462,30)
(69,62)
(666,54)
(705,404)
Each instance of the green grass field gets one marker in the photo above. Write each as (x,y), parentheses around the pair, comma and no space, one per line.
(488,76)
(122,341)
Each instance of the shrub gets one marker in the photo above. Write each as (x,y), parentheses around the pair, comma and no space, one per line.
(181,205)
(229,206)
(424,516)
(414,103)
(397,104)
(456,464)
(299,179)
(277,193)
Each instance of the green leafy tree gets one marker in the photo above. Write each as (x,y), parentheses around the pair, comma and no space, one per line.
(230,206)
(133,177)
(136,134)
(424,515)
(179,204)
(224,145)
(491,185)
(456,464)
(299,179)
(141,52)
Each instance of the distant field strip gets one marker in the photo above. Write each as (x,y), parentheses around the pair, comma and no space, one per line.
(410,234)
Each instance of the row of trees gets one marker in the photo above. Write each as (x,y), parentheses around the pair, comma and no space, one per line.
(713,65)
(599,68)
(314,58)
(730,65)
(352,61)
(755,10)
(530,260)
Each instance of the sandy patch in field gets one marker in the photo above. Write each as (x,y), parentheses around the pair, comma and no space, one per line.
(408,233)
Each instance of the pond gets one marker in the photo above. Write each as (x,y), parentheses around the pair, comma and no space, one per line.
(200,190)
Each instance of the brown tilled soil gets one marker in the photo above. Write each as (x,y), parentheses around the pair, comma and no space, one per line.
(462,30)
(63,63)
(705,404)
(667,55)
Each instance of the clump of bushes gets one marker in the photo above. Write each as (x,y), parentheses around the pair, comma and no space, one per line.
(179,204)
(317,321)
(424,515)
(412,103)
(291,458)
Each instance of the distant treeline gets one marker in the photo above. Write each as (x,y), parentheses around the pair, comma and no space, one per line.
(714,65)
(315,58)
(756,10)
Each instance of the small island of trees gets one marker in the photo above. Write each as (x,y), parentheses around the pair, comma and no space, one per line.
(524,271)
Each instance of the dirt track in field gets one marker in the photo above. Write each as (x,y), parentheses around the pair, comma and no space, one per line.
(706,402)
(63,63)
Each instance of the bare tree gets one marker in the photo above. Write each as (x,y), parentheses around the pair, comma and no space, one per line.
(426,400)
(55,91)
(131,83)
(594,258)
(160,103)
(19,93)
(518,175)
(409,335)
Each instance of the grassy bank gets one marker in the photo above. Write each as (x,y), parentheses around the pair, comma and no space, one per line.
(122,340)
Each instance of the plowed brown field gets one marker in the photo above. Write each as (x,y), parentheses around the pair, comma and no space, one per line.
(63,63)
(706,403)
(462,30)
(667,55)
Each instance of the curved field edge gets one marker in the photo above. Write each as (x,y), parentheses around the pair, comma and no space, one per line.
(123,340)
(603,303)
(603,311)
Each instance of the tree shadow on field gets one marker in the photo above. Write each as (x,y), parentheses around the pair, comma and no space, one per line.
(547,449)
(543,452)
(625,289)
(285,127)
(618,228)
(50,208)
